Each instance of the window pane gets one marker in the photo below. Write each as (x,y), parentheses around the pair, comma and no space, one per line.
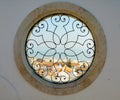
(60,48)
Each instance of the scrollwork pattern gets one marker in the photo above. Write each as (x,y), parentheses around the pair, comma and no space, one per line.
(58,55)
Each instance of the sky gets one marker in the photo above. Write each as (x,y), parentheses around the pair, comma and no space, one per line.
(59,26)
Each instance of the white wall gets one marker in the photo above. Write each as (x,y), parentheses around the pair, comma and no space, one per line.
(12,84)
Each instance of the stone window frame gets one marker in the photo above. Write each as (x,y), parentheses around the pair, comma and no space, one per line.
(97,33)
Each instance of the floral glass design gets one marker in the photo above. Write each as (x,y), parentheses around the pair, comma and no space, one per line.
(60,48)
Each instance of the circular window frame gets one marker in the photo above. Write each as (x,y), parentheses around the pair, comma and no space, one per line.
(59,8)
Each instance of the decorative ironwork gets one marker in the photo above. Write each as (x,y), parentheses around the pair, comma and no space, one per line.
(60,48)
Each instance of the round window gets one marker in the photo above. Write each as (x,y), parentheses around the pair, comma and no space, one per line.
(60,48)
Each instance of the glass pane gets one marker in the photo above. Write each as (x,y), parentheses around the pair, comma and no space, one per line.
(60,48)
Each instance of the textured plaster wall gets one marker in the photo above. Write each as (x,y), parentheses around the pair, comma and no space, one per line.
(12,84)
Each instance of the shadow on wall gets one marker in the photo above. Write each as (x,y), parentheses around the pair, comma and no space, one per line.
(9,91)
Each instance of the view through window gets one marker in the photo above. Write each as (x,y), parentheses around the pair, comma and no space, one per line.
(60,48)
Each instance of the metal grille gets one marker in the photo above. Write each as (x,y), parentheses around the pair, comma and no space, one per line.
(60,48)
